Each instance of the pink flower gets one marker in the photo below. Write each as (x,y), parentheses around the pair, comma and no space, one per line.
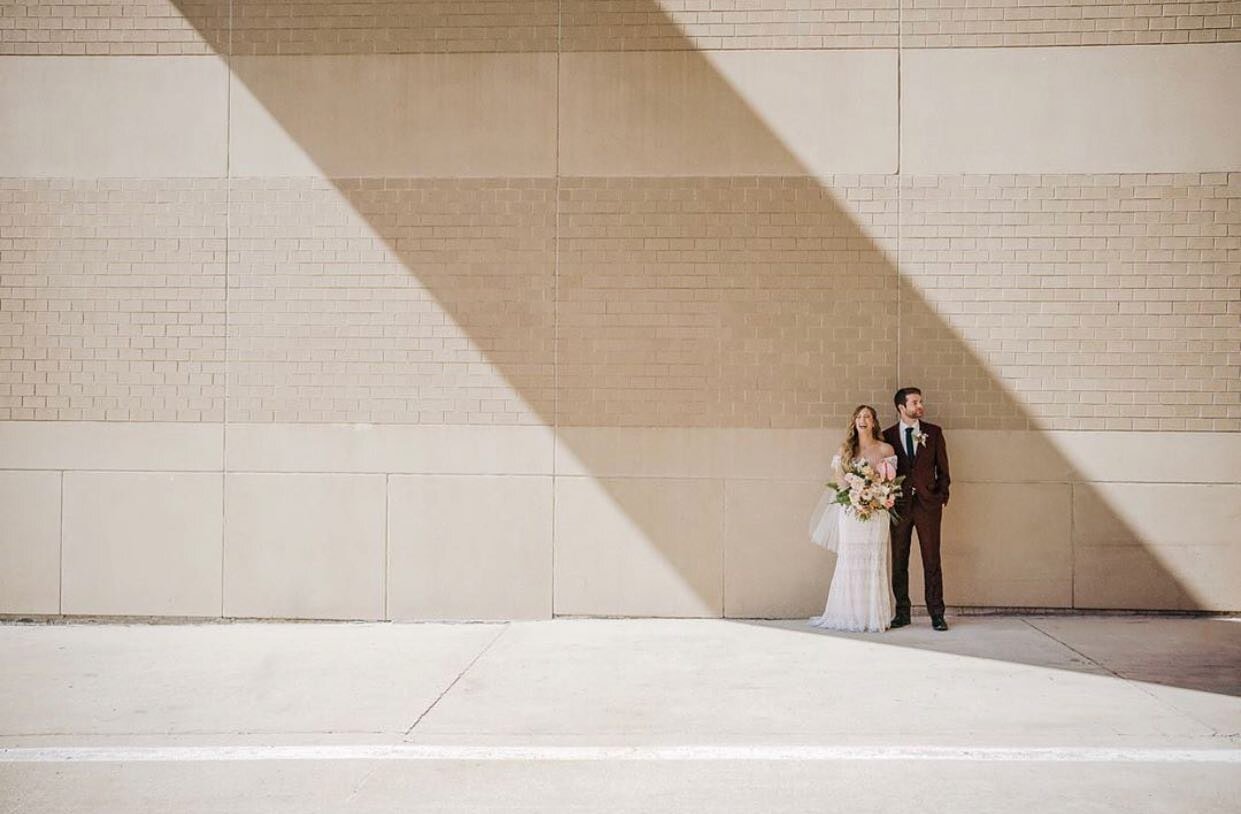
(887,471)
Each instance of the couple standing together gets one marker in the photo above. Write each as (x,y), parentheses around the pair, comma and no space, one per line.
(861,596)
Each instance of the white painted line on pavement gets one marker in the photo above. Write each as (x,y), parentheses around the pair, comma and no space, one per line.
(198,754)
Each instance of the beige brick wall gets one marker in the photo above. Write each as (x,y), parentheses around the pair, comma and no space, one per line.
(164,27)
(112,300)
(1098,301)
(84,27)
(701,302)
(113,27)
(391,300)
(392,26)
(983,23)
(675,25)
(637,293)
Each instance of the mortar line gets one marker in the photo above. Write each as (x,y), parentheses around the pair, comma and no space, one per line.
(556,315)
(460,675)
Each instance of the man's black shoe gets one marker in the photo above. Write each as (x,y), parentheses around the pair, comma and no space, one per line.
(938,623)
(900,621)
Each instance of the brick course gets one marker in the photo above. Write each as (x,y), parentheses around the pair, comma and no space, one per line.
(112,300)
(269,27)
(990,23)
(391,300)
(677,25)
(113,27)
(1100,301)
(754,302)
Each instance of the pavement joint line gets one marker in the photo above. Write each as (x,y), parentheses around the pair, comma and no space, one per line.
(701,753)
(460,675)
(357,787)
(1137,685)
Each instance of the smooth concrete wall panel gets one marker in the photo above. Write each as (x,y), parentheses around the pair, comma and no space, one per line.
(669,452)
(30,542)
(1157,545)
(639,547)
(728,113)
(1132,577)
(389,448)
(1040,110)
(771,569)
(1008,545)
(442,115)
(113,116)
(1152,457)
(468,548)
(695,452)
(149,446)
(660,521)
(1161,514)
(982,456)
(144,544)
(800,454)
(304,546)
(1029,456)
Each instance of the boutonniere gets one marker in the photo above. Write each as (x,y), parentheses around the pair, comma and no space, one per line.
(919,440)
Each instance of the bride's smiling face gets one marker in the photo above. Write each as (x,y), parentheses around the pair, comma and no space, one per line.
(864,421)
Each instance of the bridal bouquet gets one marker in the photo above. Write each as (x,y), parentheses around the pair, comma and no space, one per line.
(869,489)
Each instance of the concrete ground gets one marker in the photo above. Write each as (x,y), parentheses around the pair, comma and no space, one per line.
(1040,713)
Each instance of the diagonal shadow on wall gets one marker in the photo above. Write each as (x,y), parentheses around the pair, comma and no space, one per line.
(616,306)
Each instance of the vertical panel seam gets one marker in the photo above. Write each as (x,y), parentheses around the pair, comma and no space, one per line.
(1073,544)
(724,548)
(556,308)
(900,208)
(387,569)
(60,569)
(228,228)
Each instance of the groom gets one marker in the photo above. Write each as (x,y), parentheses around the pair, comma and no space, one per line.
(922,457)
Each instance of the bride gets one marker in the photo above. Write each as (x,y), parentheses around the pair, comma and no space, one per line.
(860,597)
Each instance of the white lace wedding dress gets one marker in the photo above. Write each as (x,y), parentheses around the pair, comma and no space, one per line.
(860,597)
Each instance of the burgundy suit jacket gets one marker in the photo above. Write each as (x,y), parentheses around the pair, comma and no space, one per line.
(927,474)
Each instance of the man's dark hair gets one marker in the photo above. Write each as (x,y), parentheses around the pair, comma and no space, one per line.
(903,393)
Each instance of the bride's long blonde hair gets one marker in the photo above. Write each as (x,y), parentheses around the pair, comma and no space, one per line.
(852,444)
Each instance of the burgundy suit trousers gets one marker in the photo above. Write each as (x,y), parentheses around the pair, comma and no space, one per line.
(924,515)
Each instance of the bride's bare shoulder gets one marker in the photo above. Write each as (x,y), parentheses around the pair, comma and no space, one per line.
(888,450)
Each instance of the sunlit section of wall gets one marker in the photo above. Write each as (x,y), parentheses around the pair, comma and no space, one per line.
(512,333)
